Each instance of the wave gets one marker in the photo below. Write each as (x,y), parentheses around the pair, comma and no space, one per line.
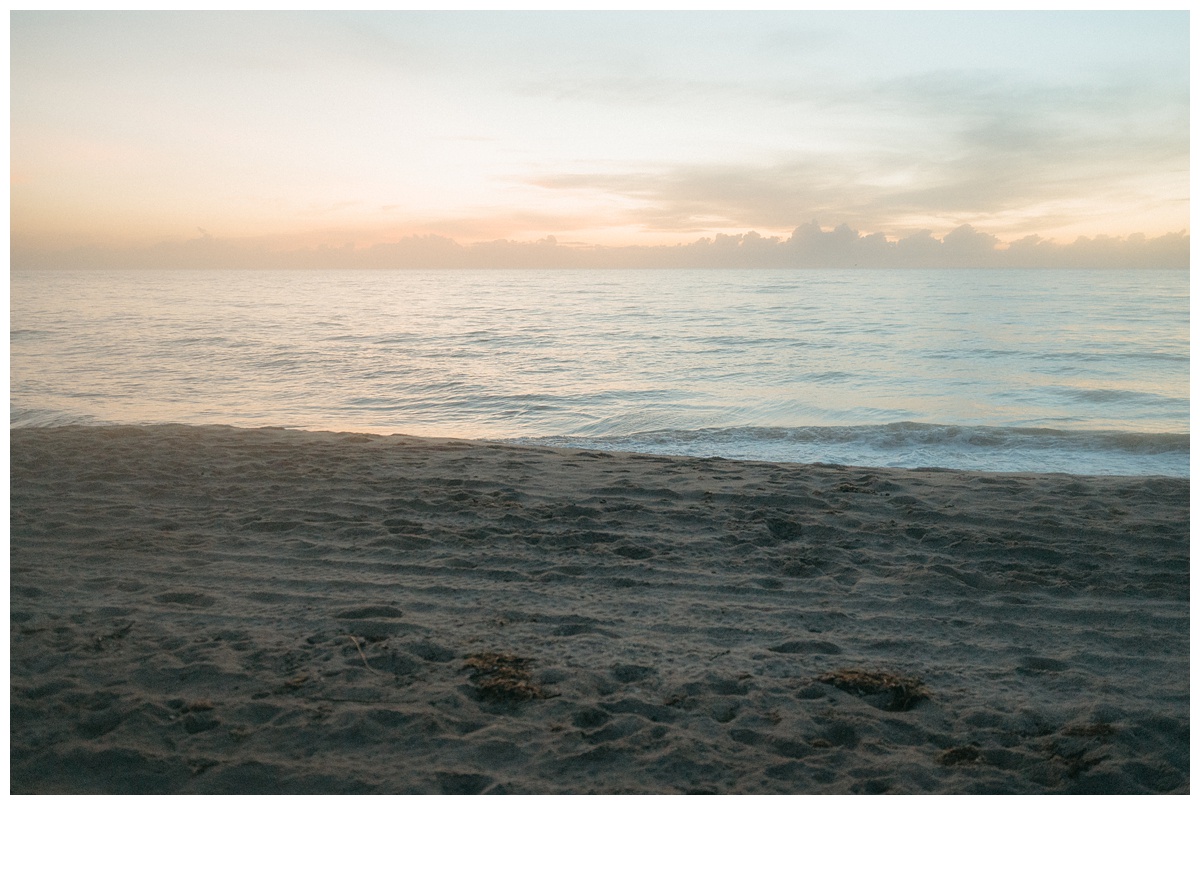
(19,416)
(912,444)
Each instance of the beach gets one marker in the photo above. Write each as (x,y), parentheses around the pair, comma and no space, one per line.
(205,609)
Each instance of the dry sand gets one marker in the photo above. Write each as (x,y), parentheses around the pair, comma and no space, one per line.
(221,610)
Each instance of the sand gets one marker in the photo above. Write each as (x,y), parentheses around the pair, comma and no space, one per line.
(216,610)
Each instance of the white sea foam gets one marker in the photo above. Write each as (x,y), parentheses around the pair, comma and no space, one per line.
(910,444)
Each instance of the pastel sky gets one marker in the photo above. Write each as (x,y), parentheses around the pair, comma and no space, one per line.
(292,131)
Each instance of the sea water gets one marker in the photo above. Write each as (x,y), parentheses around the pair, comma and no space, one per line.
(1003,370)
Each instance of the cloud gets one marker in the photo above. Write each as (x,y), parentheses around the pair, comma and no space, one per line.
(809,246)
(703,197)
(938,148)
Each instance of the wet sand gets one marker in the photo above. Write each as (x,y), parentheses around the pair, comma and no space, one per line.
(207,609)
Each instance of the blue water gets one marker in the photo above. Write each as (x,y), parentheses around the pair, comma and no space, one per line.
(1071,371)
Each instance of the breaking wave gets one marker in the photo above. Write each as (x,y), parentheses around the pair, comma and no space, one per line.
(911,444)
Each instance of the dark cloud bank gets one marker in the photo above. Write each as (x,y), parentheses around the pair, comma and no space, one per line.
(809,246)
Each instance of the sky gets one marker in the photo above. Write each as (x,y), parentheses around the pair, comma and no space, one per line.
(523,138)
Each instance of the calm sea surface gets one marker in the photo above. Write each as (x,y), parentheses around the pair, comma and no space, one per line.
(1072,371)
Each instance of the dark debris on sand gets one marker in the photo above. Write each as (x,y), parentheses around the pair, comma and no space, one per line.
(501,677)
(966,755)
(890,690)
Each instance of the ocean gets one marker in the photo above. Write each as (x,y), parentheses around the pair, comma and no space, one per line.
(1083,372)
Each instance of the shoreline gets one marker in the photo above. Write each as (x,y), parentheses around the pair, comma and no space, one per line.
(684,447)
(213,609)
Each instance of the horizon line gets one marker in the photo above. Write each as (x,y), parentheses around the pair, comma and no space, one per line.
(808,246)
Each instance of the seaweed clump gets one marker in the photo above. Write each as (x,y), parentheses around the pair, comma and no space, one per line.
(503,677)
(890,691)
